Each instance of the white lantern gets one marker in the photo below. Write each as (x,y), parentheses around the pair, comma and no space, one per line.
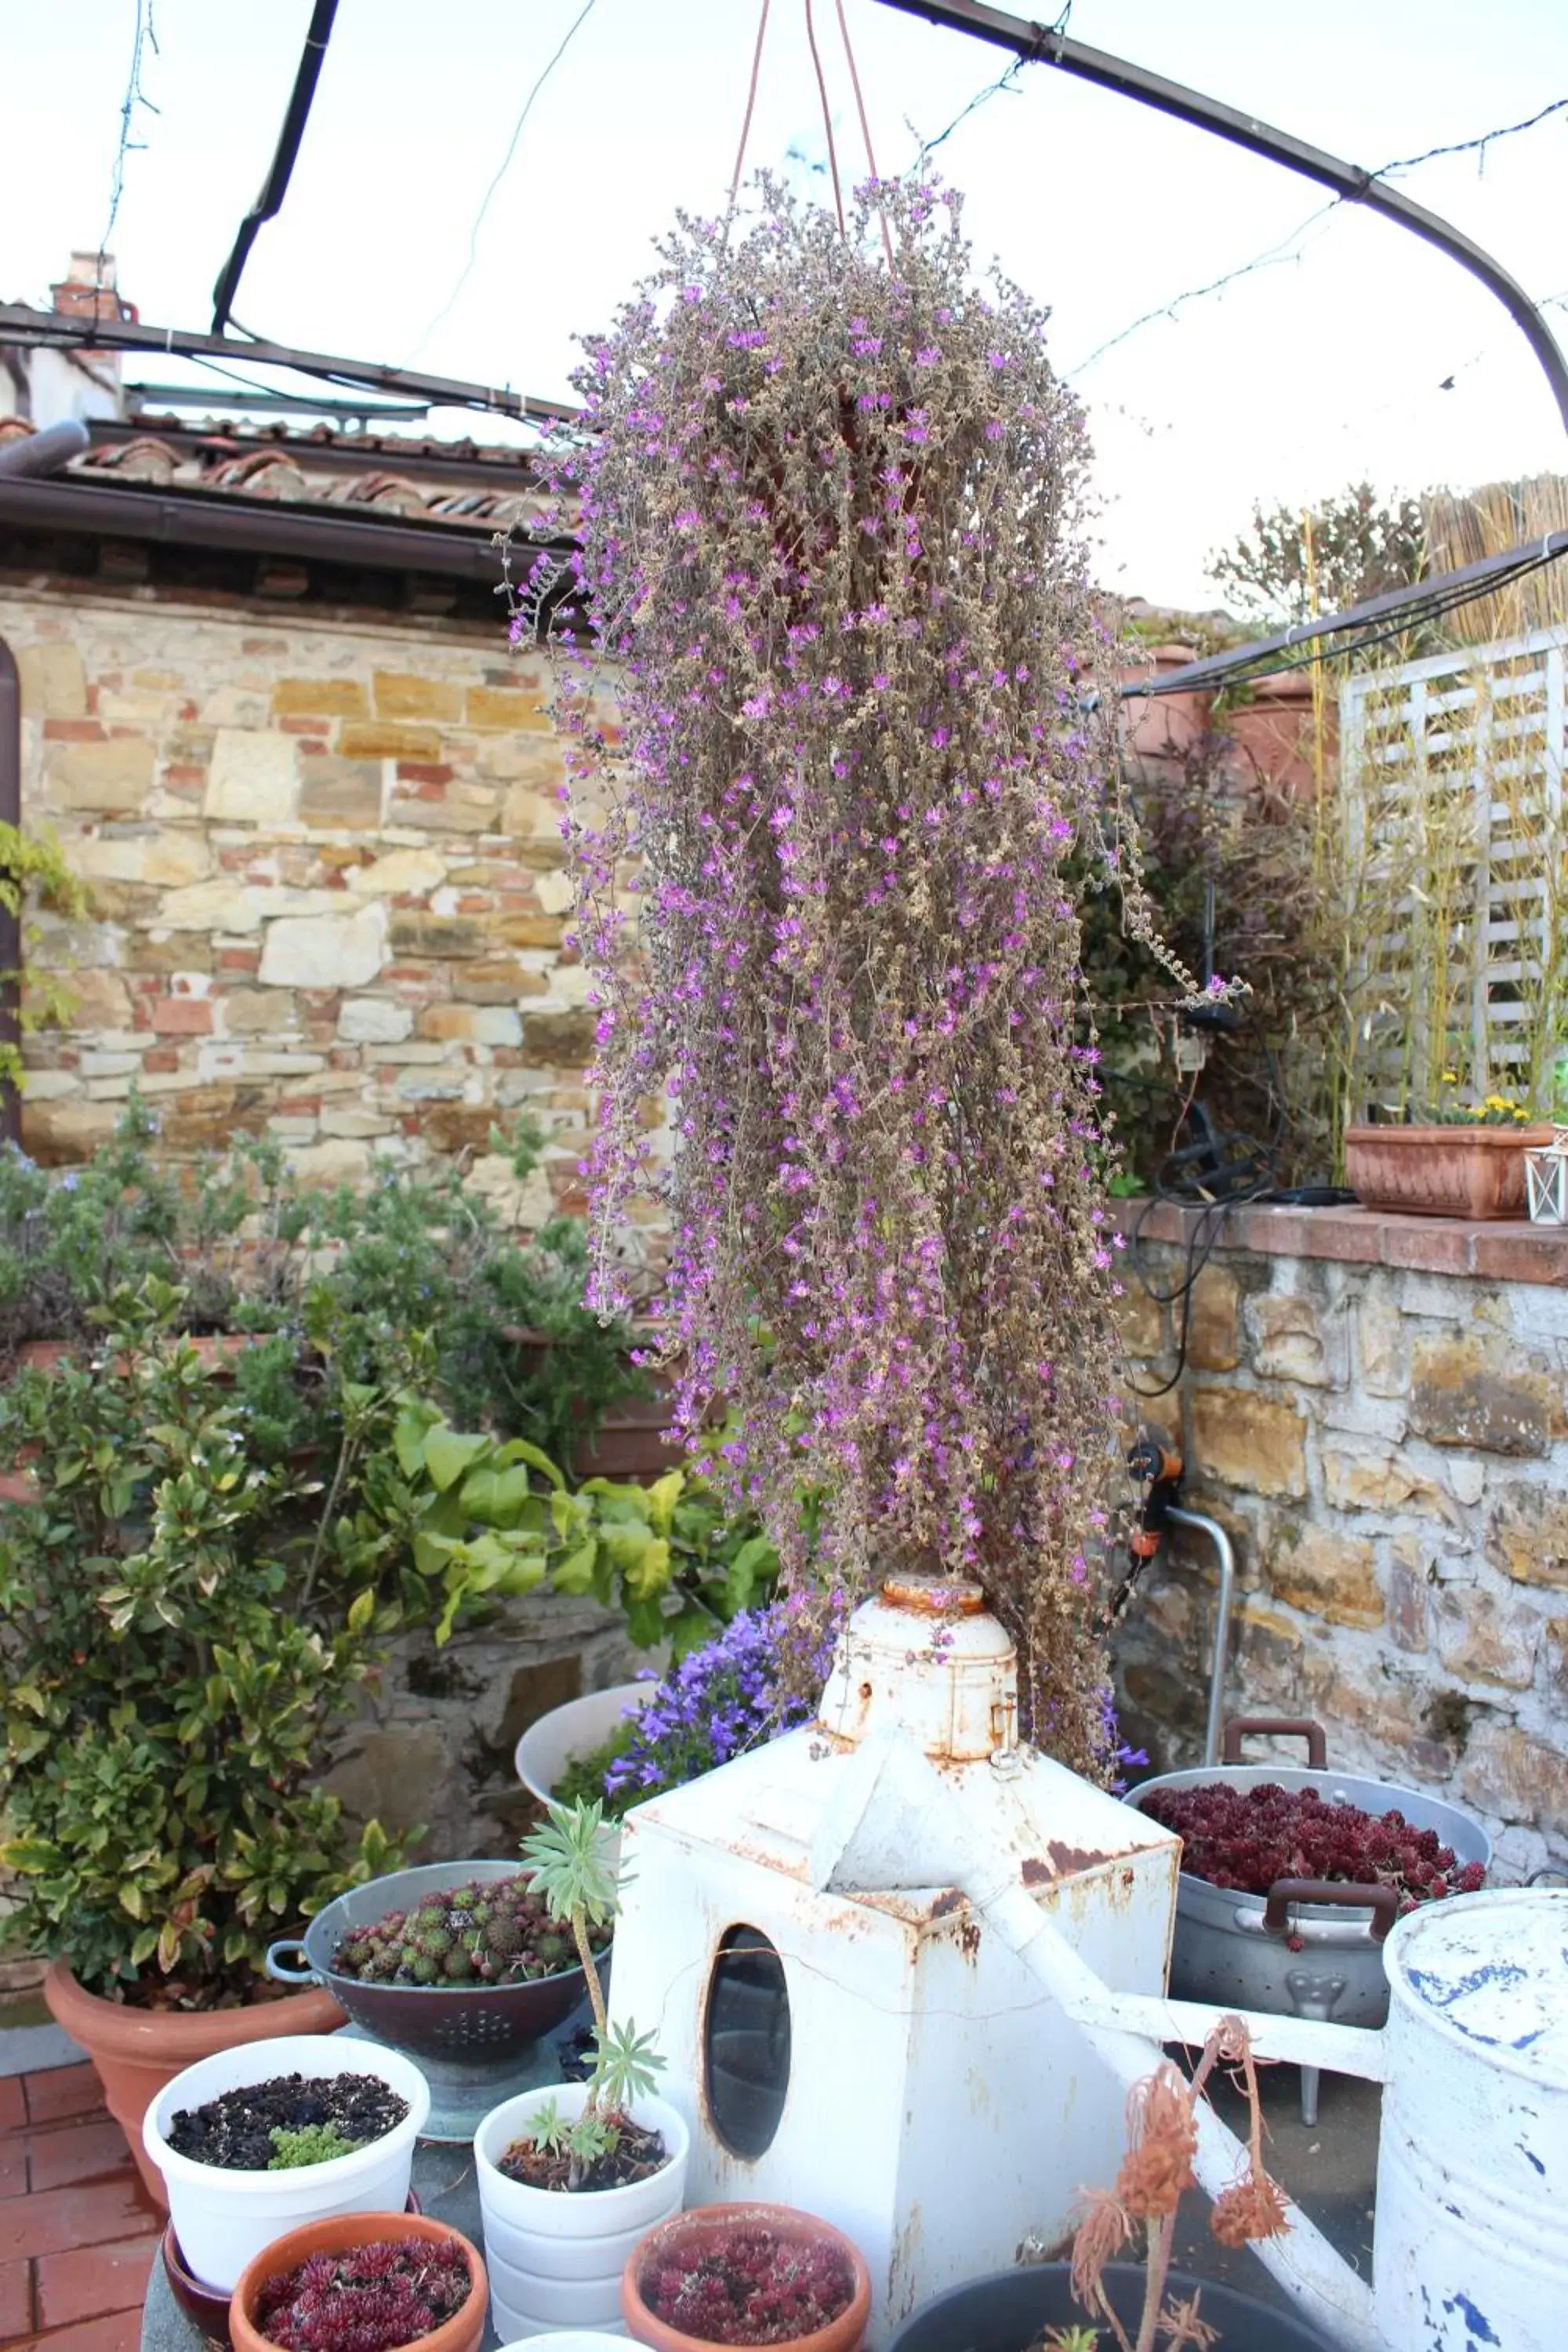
(882,2060)
(1546,1181)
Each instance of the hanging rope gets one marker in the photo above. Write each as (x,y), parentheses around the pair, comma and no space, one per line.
(865,126)
(826,119)
(751,102)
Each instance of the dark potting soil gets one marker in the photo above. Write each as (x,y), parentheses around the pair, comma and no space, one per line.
(747,2286)
(635,2154)
(235,2130)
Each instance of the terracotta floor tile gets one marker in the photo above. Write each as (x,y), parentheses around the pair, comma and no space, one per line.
(13,2165)
(121,2332)
(60,2092)
(75,2152)
(13,2107)
(91,2281)
(97,2214)
(15,2300)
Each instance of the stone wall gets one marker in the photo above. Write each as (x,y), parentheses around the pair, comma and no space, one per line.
(435,1744)
(1375,1410)
(328,886)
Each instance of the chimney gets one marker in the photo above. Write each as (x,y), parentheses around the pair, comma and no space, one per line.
(83,382)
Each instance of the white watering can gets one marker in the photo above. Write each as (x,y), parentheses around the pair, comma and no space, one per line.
(1472,2248)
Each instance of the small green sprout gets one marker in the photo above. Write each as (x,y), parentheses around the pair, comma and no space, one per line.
(310,2144)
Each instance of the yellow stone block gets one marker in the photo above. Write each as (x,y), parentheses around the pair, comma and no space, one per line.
(400,694)
(383,738)
(507,706)
(319,698)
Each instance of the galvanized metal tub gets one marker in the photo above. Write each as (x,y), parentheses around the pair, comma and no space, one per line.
(1231,1947)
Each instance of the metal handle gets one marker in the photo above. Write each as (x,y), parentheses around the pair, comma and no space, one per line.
(1277,1726)
(1383,1902)
(277,1959)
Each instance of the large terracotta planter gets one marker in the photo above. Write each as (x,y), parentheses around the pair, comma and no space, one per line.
(136,2051)
(462,2333)
(843,2334)
(1441,1171)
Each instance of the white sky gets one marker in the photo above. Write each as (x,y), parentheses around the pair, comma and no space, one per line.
(1295,380)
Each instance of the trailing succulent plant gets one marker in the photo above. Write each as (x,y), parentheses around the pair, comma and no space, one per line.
(491,1931)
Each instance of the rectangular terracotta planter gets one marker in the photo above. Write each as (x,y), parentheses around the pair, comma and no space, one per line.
(1441,1171)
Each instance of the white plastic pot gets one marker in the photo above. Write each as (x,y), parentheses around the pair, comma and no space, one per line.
(555,2258)
(567,1732)
(221,2218)
(568,2339)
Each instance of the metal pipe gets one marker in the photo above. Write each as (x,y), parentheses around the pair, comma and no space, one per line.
(269,203)
(1203,1524)
(47,452)
(50,331)
(1041,45)
(10,919)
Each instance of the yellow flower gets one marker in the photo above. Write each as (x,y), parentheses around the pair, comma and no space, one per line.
(1451,1077)
(1519,1114)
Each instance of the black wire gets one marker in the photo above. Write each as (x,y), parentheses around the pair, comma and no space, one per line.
(568,39)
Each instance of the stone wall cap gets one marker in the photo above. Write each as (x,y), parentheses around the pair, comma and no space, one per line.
(1499,1250)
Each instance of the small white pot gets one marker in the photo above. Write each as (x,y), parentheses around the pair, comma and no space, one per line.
(222,2219)
(567,1732)
(569,2339)
(556,2259)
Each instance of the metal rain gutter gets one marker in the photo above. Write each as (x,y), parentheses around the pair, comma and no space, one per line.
(253,527)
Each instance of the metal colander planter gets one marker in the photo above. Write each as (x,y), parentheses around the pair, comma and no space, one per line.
(476,2044)
(1234,1947)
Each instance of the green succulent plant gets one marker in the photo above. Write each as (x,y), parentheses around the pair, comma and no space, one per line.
(569,1870)
(308,2144)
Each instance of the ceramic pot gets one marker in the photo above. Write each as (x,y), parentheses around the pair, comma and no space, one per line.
(224,2218)
(711,2221)
(1012,2308)
(204,2305)
(135,2052)
(575,1729)
(568,2339)
(556,2257)
(462,2333)
(1441,1171)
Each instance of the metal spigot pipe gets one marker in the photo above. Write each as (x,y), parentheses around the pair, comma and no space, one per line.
(1224,1553)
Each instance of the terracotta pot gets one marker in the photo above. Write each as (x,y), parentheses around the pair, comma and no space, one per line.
(1441,1171)
(1161,727)
(136,2051)
(1272,733)
(844,2335)
(461,2333)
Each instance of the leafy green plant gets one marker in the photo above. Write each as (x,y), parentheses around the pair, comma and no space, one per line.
(34,877)
(567,1862)
(183,1618)
(1347,548)
(499,1516)
(507,1341)
(308,2144)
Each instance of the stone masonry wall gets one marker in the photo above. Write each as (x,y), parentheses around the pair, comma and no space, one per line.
(328,886)
(1387,1447)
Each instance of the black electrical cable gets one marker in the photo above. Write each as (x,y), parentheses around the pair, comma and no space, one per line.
(269,203)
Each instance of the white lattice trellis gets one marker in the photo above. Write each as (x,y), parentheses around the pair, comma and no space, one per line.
(1458,859)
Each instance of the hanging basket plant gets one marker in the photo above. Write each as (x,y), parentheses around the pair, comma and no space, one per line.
(859,761)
